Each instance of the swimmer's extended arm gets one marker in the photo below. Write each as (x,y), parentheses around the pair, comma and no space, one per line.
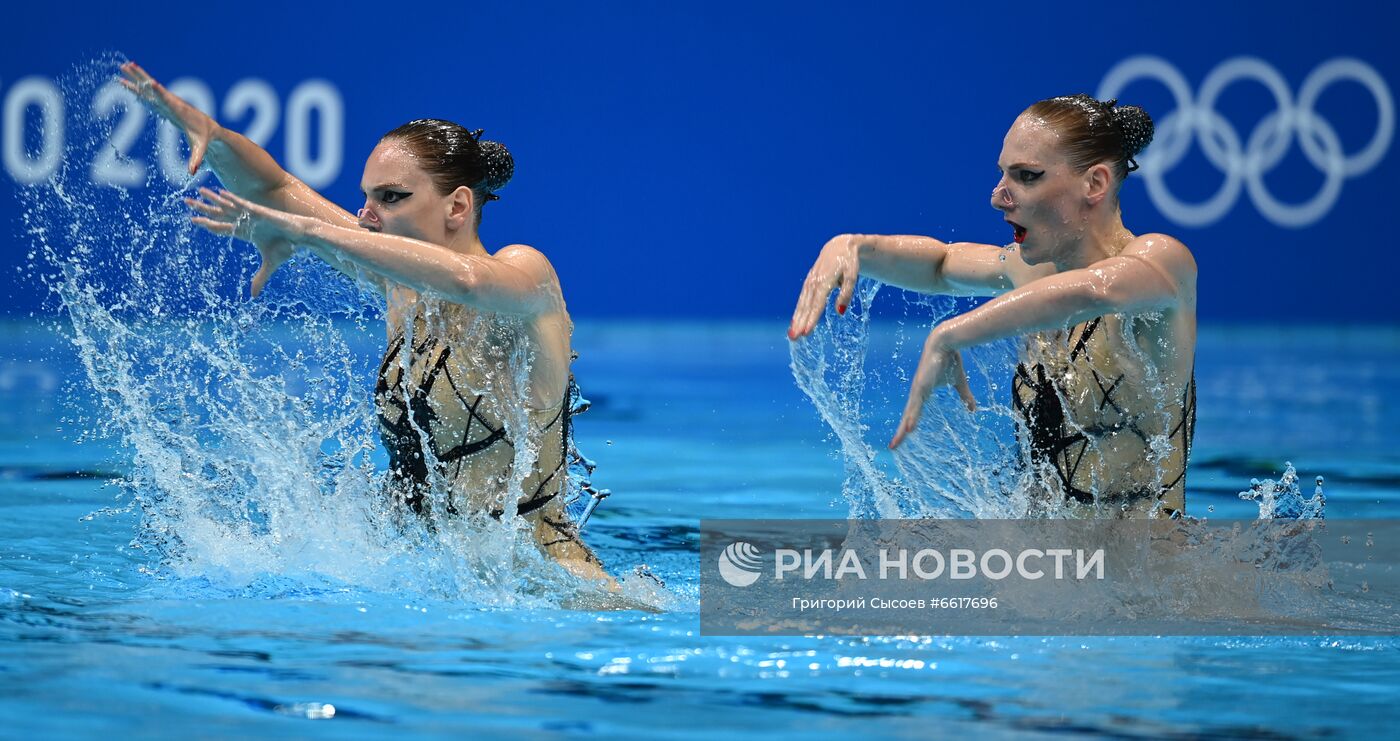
(927,265)
(243,167)
(516,280)
(920,264)
(1151,274)
(1154,272)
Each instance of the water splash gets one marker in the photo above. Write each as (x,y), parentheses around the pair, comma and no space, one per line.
(1283,499)
(250,428)
(957,464)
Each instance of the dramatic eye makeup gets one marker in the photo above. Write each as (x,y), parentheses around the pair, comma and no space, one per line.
(1021,172)
(388,193)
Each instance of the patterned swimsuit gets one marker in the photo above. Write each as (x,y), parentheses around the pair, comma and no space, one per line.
(465,433)
(1073,443)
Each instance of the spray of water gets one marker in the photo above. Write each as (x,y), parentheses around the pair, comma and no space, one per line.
(1283,499)
(957,465)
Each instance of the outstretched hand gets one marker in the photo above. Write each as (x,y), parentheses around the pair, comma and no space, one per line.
(270,230)
(938,366)
(197,126)
(838,264)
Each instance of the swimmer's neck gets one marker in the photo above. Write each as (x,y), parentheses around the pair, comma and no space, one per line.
(1105,237)
(465,241)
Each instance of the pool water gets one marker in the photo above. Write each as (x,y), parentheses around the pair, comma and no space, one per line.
(690,421)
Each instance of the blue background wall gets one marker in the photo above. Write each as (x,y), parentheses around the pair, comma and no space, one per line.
(689,160)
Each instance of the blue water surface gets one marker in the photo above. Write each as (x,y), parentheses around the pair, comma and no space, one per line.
(690,421)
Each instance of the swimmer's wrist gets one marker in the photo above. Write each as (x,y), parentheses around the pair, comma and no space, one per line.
(299,228)
(943,337)
(863,245)
(219,137)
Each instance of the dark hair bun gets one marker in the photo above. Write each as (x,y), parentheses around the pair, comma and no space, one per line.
(500,166)
(1136,126)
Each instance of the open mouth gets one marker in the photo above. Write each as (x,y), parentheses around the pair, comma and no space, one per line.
(1018,232)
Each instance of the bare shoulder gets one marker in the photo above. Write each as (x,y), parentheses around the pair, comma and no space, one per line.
(1166,253)
(525,258)
(521,255)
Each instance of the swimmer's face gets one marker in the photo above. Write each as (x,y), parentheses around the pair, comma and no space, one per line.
(1039,192)
(400,198)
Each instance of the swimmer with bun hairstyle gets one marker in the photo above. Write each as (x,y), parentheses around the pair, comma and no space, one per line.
(441,407)
(1106,319)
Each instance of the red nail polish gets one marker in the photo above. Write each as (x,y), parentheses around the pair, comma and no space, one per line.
(840,308)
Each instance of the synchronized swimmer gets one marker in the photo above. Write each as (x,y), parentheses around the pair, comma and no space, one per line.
(1107,318)
(416,242)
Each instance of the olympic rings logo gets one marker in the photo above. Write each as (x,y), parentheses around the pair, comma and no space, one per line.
(1245,165)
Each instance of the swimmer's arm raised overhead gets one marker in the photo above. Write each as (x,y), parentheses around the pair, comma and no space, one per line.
(920,264)
(243,167)
(1154,272)
(516,280)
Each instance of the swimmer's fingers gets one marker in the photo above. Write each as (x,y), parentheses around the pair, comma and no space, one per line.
(220,214)
(801,314)
(195,124)
(135,73)
(913,409)
(937,367)
(214,207)
(252,210)
(198,145)
(234,206)
(812,302)
(208,209)
(816,289)
(959,378)
(237,202)
(223,198)
(847,260)
(135,79)
(146,88)
(930,369)
(215,226)
(848,290)
(838,266)
(260,278)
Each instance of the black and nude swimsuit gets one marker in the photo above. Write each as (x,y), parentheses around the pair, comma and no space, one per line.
(1097,436)
(465,433)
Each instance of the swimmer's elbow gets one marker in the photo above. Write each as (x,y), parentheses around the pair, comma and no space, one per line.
(467,284)
(472,285)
